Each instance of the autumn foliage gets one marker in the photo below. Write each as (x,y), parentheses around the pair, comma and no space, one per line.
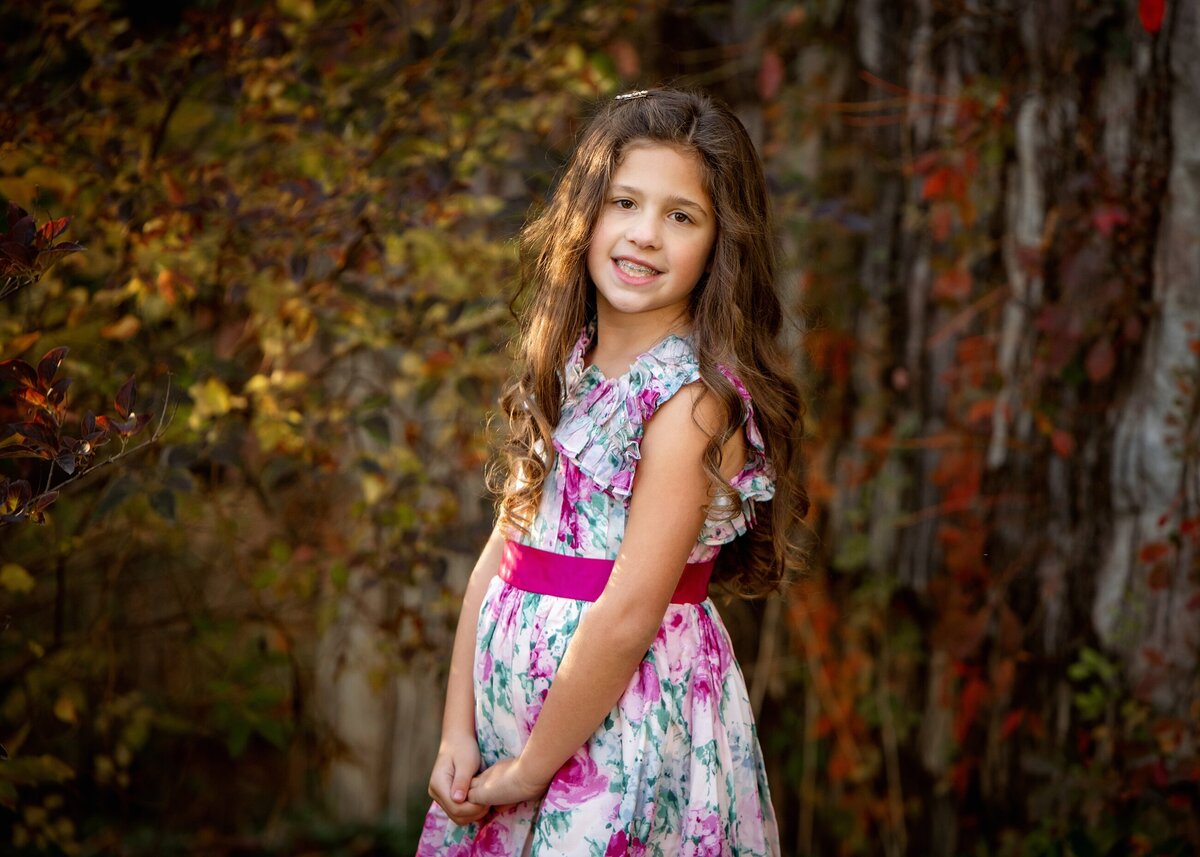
(294,225)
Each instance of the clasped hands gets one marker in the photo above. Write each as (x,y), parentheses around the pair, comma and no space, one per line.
(467,797)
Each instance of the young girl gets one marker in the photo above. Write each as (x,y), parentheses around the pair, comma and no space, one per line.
(594,705)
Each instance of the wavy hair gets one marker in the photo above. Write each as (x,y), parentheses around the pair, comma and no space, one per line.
(735,312)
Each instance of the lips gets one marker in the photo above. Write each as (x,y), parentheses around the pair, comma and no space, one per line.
(635,267)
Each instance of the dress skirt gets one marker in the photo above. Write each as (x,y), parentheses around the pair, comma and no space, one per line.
(674,769)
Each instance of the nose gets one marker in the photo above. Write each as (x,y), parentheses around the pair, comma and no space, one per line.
(644,230)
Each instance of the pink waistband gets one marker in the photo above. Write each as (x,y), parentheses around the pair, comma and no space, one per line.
(583,578)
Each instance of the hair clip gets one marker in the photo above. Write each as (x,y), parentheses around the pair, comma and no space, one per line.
(641,93)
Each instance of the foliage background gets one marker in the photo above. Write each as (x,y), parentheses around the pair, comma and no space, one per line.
(298,219)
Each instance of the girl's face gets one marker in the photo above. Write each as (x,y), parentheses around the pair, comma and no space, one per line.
(654,234)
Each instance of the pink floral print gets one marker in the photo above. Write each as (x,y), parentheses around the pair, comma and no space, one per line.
(676,768)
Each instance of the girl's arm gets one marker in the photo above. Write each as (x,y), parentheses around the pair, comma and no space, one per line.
(665,517)
(458,753)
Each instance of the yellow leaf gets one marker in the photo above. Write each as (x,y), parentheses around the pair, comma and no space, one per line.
(15,579)
(122,329)
(64,710)
(212,399)
(373,488)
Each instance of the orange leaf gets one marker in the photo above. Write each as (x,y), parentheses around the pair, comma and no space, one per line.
(981,410)
(123,328)
(954,284)
(19,344)
(175,194)
(839,766)
(1153,551)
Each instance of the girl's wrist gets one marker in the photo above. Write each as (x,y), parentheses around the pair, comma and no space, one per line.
(458,734)
(532,775)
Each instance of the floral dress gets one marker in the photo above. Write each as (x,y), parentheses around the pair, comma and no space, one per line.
(675,768)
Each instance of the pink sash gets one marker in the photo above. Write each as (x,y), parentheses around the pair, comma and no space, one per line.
(584,578)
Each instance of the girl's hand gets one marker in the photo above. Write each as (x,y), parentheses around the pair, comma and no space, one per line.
(457,761)
(504,783)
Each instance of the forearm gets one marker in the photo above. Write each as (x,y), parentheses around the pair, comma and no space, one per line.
(599,662)
(459,715)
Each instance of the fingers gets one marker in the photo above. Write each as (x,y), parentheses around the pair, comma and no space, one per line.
(460,784)
(442,788)
(478,792)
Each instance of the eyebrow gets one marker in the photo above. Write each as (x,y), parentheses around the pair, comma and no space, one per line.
(681,201)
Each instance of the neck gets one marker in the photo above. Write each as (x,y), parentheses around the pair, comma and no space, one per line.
(620,335)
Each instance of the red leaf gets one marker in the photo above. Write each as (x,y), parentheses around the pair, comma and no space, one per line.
(1153,551)
(1153,655)
(20,371)
(941,221)
(20,257)
(44,500)
(131,426)
(66,460)
(973,695)
(58,391)
(1100,361)
(49,256)
(14,214)
(51,229)
(1012,722)
(1159,577)
(23,230)
(1063,443)
(935,185)
(126,397)
(1106,217)
(49,364)
(18,493)
(770,75)
(1151,14)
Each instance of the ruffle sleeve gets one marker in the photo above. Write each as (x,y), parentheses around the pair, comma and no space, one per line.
(755,482)
(602,421)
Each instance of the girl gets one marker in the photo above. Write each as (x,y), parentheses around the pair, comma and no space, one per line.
(592,679)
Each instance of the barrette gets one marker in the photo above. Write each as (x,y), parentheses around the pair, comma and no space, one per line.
(641,93)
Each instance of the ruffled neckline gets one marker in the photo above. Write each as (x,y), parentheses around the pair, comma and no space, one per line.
(671,348)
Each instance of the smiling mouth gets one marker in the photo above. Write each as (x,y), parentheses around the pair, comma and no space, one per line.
(635,270)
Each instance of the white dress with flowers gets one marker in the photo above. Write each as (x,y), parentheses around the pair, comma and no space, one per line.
(676,768)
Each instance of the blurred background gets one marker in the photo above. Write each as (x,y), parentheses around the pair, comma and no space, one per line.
(228,587)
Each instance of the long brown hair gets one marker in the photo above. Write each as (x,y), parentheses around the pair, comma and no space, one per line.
(735,312)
